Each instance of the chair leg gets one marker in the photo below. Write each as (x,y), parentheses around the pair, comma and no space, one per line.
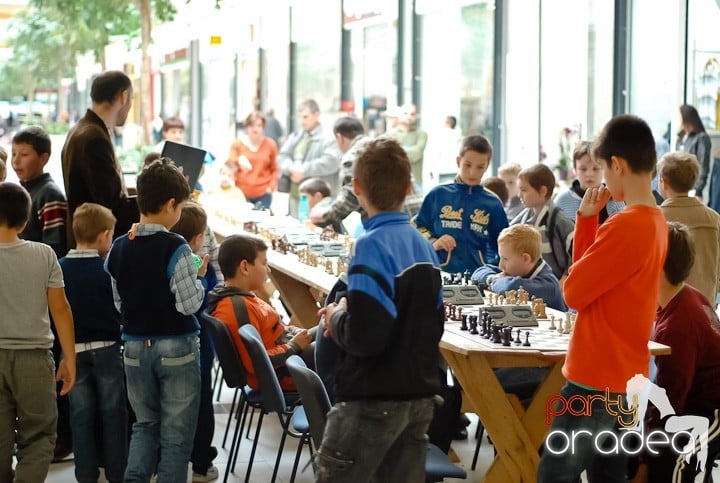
(285,423)
(217,380)
(230,416)
(252,413)
(479,435)
(252,453)
(301,442)
(236,440)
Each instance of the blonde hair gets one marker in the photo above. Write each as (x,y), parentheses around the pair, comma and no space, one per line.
(91,219)
(679,170)
(513,169)
(522,238)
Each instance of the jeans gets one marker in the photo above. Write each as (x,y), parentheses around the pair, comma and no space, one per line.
(264,201)
(28,413)
(163,378)
(380,440)
(568,466)
(99,395)
(202,452)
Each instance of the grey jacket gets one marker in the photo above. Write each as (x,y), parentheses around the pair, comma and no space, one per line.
(321,160)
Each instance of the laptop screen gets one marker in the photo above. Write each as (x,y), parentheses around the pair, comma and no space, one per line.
(189,158)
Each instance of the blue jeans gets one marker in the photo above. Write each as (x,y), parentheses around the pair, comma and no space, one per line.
(375,440)
(567,467)
(99,393)
(163,378)
(264,201)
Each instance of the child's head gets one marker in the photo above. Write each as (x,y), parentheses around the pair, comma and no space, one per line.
(678,172)
(173,129)
(316,189)
(474,159)
(587,170)
(497,186)
(680,254)
(3,160)
(536,185)
(243,258)
(150,157)
(30,152)
(93,227)
(14,206)
(625,147)
(450,122)
(228,172)
(509,173)
(192,225)
(519,247)
(162,190)
(382,176)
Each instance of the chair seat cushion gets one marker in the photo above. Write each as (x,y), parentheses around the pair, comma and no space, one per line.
(438,466)
(299,421)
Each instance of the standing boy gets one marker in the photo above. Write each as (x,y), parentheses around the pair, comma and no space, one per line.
(31,283)
(30,154)
(677,175)
(157,290)
(616,306)
(462,220)
(99,393)
(389,325)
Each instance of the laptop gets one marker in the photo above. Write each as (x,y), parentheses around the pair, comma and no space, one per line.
(189,158)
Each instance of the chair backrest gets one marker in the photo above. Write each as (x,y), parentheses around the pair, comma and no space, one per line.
(272,395)
(228,355)
(314,398)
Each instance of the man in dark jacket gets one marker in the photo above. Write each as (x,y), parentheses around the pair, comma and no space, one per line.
(90,168)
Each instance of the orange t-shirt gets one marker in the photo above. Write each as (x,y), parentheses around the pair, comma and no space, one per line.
(263,177)
(267,322)
(613,284)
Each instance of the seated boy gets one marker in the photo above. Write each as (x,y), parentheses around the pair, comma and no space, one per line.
(30,154)
(509,174)
(226,196)
(589,174)
(389,326)
(522,266)
(192,227)
(677,175)
(99,393)
(687,323)
(462,220)
(317,191)
(243,260)
(31,283)
(157,289)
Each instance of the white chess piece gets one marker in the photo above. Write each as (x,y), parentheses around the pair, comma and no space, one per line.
(552,322)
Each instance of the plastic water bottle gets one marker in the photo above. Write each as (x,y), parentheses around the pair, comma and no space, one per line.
(303,208)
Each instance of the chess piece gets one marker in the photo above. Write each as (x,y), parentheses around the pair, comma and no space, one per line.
(463,324)
(560,325)
(517,339)
(568,322)
(552,322)
(473,325)
(507,336)
(527,339)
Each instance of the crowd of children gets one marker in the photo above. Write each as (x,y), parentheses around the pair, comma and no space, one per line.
(125,312)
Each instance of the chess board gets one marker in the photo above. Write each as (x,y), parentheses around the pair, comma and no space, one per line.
(540,338)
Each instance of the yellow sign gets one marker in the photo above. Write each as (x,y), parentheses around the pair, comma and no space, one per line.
(215,39)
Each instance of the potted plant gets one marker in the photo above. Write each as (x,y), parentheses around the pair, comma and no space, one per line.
(567,140)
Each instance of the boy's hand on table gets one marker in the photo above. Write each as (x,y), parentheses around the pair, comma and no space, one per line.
(326,314)
(594,200)
(302,339)
(445,242)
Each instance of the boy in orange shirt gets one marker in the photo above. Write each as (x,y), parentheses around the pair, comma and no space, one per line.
(613,284)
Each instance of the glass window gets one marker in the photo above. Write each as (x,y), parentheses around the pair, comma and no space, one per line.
(703,61)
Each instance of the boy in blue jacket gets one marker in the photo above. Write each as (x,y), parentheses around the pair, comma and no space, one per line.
(522,266)
(462,220)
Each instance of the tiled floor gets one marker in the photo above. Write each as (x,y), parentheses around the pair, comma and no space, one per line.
(267,451)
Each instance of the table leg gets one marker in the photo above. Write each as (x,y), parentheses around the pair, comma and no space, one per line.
(298,298)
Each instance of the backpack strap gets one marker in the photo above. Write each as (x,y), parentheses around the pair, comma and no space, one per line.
(552,222)
(240,308)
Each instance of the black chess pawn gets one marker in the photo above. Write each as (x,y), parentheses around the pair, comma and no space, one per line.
(463,324)
(507,336)
(527,339)
(517,339)
(473,325)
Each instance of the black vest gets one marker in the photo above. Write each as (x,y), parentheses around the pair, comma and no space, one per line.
(140,268)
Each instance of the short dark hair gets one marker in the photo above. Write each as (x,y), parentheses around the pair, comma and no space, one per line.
(348,127)
(497,186)
(150,157)
(14,205)
(106,86)
(582,148)
(173,122)
(680,256)
(451,121)
(537,176)
(315,185)
(479,144)
(91,219)
(192,222)
(310,105)
(679,170)
(158,183)
(236,248)
(34,136)
(630,138)
(383,171)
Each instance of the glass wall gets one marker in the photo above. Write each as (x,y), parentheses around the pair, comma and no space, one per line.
(703,62)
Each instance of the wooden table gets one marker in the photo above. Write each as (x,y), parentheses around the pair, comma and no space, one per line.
(517,434)
(302,288)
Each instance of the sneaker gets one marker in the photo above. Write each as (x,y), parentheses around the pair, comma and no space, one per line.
(212,474)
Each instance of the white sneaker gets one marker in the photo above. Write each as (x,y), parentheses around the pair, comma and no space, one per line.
(212,474)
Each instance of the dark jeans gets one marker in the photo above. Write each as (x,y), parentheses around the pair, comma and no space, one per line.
(264,201)
(202,453)
(567,467)
(99,395)
(375,440)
